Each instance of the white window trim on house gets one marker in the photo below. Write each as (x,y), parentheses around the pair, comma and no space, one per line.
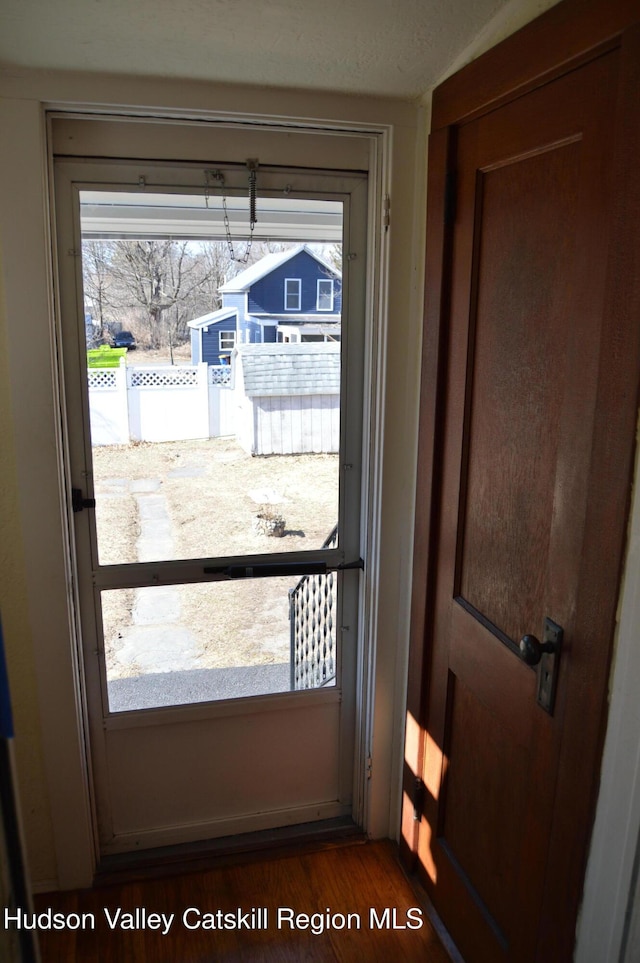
(319,296)
(289,293)
(227,340)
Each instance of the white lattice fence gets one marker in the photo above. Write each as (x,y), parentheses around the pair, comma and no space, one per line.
(220,374)
(103,377)
(163,377)
(168,403)
(108,406)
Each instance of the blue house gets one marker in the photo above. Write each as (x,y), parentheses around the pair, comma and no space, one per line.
(292,296)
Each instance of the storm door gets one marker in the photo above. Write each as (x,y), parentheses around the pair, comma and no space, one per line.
(215,439)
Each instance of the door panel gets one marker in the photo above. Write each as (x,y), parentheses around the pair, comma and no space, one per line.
(526,340)
(517,349)
(302,778)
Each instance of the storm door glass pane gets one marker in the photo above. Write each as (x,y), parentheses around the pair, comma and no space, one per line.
(214,415)
(182,644)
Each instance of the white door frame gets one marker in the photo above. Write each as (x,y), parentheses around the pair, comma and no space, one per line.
(75,825)
(608,928)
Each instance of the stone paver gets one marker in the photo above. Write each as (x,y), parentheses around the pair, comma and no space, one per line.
(156,642)
(158,648)
(188,471)
(156,605)
(155,542)
(137,485)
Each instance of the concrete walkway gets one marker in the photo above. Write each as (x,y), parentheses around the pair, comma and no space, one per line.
(156,641)
(163,652)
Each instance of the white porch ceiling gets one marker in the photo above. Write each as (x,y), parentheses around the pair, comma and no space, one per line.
(379,47)
(141,215)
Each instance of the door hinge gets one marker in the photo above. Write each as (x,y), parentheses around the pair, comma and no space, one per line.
(450,197)
(386,212)
(369,767)
(418,799)
(79,502)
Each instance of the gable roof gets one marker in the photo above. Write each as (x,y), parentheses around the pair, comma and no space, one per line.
(291,369)
(206,319)
(267,264)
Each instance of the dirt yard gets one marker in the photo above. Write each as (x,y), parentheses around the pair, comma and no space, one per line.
(211,493)
(160,356)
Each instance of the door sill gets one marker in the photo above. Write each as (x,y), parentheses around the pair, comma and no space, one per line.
(227,850)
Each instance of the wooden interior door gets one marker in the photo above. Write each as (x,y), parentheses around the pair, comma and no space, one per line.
(534,387)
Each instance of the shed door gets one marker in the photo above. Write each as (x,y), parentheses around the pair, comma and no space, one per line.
(537,412)
(216,501)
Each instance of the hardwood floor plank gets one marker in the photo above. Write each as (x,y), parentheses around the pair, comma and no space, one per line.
(318,907)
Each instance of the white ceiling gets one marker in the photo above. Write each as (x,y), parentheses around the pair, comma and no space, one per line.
(380,47)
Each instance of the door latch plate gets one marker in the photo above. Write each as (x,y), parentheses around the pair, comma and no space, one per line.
(549,665)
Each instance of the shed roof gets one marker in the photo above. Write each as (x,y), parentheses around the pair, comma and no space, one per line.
(290,369)
(206,319)
(267,264)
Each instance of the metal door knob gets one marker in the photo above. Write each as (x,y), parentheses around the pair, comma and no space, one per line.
(531,649)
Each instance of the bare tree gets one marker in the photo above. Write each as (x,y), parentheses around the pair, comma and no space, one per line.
(156,284)
(99,288)
(332,253)
(141,272)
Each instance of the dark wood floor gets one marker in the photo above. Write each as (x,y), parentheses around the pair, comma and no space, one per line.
(350,879)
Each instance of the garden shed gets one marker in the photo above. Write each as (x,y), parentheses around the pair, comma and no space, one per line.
(288,398)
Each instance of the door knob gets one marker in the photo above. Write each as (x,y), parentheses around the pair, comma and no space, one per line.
(546,655)
(531,649)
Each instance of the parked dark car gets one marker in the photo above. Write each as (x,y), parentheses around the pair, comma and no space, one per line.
(124,339)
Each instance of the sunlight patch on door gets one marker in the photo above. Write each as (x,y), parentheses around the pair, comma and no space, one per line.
(182,644)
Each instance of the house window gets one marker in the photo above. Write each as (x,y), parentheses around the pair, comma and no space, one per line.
(292,294)
(324,299)
(227,340)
